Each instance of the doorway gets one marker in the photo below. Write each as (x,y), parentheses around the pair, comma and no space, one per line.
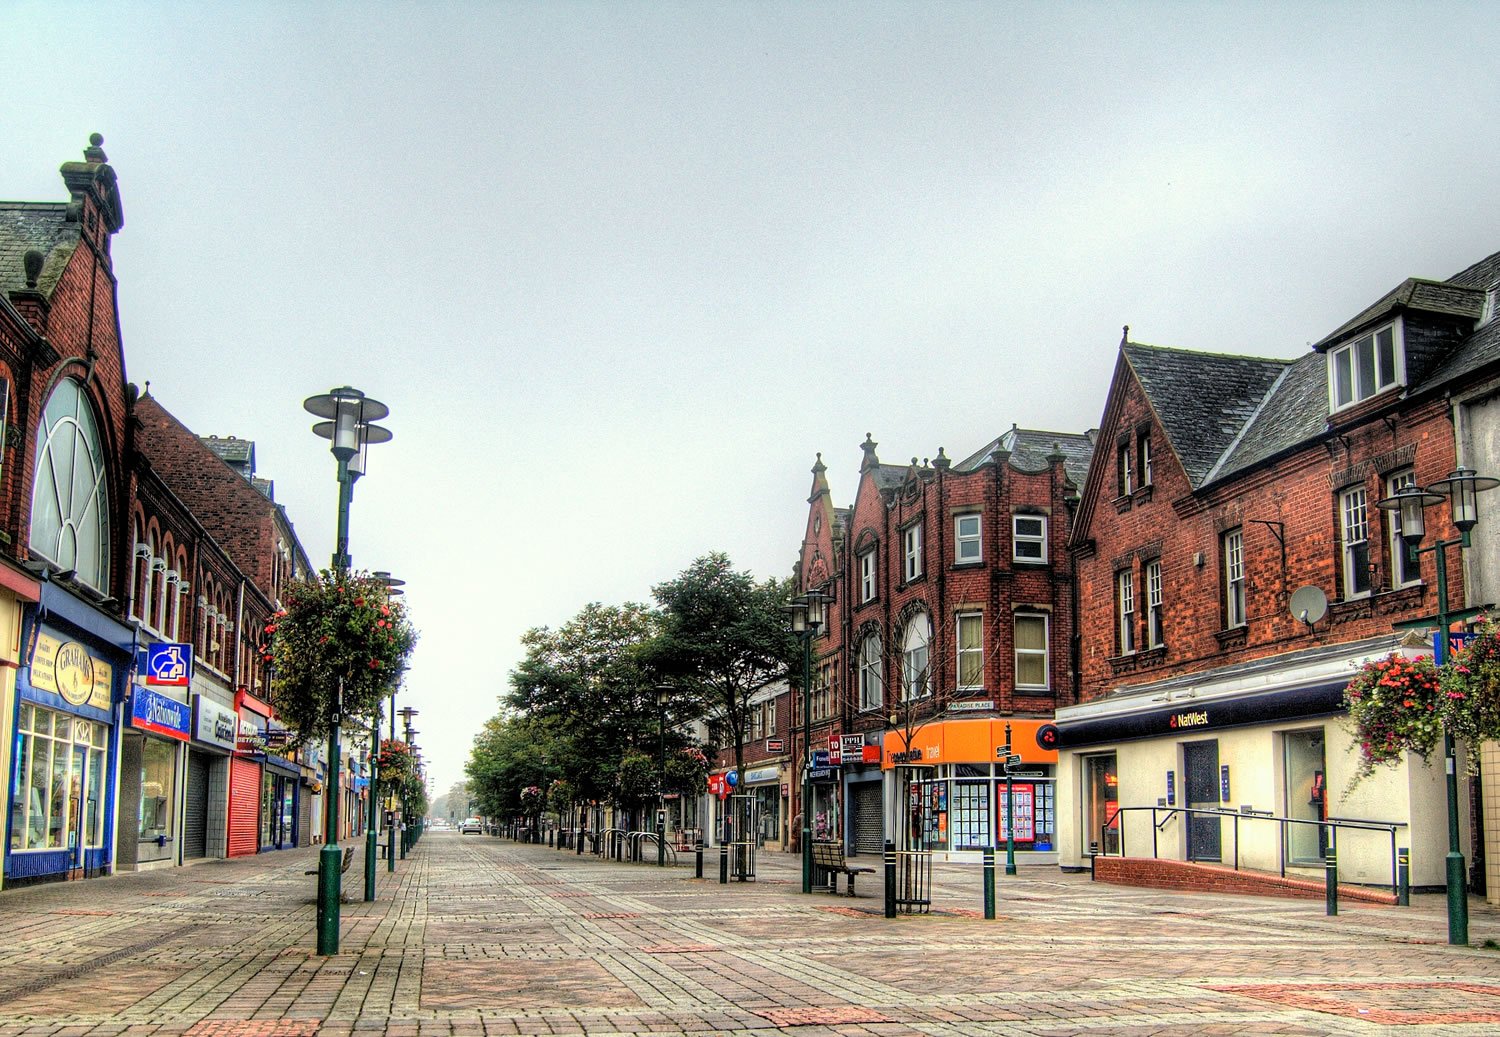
(1201,765)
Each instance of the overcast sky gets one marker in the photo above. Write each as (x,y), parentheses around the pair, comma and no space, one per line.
(620,270)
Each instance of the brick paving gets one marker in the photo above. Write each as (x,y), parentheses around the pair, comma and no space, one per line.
(478,936)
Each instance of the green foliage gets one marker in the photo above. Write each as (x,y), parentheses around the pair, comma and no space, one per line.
(337,628)
(1395,706)
(686,772)
(636,781)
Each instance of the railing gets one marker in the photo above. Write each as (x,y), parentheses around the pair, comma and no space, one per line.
(1332,824)
(637,847)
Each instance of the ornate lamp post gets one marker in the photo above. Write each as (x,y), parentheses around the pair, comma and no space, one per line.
(349,427)
(372,849)
(663,693)
(1460,489)
(806,614)
(406,713)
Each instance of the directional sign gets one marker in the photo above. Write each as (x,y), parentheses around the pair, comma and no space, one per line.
(1002,751)
(169,665)
(1013,760)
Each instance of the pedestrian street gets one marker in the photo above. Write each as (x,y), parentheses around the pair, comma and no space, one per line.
(475,934)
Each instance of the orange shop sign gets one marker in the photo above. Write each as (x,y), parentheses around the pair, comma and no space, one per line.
(966,741)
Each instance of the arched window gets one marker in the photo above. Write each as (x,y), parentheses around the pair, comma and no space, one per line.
(70,495)
(916,676)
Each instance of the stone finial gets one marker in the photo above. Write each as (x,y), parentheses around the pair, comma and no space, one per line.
(1124,334)
(942,460)
(95,151)
(868,446)
(32,263)
(818,467)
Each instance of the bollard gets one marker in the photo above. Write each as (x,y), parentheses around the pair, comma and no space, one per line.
(723,864)
(698,861)
(1403,872)
(1331,879)
(890,879)
(1093,853)
(989,882)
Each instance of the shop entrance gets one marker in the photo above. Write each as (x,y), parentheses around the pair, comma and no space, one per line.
(1200,762)
(1306,797)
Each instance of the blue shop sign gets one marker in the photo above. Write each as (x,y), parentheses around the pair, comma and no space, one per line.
(152,711)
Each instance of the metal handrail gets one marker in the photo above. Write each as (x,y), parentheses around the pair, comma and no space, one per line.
(1117,821)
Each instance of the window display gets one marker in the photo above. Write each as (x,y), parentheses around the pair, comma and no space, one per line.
(60,781)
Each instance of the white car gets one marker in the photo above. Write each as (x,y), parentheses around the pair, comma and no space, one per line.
(471,824)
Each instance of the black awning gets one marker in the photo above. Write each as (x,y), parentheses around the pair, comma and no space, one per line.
(1187,717)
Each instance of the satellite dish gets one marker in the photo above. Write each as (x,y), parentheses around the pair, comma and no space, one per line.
(1309,604)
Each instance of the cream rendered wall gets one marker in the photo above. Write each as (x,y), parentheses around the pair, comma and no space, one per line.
(1412,793)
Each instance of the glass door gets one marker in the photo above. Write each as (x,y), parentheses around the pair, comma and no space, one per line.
(1306,796)
(1101,802)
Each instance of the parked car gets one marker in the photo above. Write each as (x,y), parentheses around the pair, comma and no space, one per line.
(471,824)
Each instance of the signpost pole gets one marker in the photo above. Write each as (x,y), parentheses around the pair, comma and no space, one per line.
(1010,813)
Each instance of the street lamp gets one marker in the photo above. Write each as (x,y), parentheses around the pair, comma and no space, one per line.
(663,694)
(806,614)
(1460,489)
(372,851)
(349,427)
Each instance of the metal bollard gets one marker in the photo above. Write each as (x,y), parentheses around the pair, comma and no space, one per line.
(1331,879)
(890,879)
(1403,873)
(1093,854)
(698,861)
(989,882)
(578,850)
(723,864)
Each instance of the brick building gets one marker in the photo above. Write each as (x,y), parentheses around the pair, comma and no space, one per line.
(951,617)
(67,489)
(1233,571)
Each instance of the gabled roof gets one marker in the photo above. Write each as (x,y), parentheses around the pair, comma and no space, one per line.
(1415,293)
(232,449)
(1295,411)
(1203,400)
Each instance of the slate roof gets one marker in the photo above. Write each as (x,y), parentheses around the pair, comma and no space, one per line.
(1414,293)
(1203,400)
(231,449)
(34,225)
(1030,448)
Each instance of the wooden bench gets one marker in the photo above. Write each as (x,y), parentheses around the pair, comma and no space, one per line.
(830,857)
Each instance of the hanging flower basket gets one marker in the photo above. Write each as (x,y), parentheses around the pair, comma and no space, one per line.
(1396,705)
(1471,689)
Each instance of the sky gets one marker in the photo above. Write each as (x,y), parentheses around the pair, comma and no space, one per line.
(622,270)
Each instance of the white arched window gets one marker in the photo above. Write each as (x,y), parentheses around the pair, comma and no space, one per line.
(916,677)
(70,495)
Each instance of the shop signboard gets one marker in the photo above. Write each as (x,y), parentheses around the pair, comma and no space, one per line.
(152,711)
(68,670)
(169,665)
(775,745)
(820,758)
(213,723)
(852,747)
(1023,823)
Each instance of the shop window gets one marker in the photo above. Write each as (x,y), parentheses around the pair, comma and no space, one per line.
(969,815)
(158,789)
(59,802)
(1101,801)
(1306,795)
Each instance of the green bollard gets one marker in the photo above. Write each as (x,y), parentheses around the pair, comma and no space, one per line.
(1331,881)
(1403,882)
(329,864)
(989,882)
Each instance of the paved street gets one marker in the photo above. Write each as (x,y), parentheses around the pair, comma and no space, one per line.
(477,935)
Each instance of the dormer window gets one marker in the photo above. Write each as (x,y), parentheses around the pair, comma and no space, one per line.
(1360,369)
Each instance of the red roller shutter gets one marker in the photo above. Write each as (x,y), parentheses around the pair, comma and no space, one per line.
(244,807)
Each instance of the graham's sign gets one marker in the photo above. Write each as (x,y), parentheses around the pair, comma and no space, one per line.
(66,669)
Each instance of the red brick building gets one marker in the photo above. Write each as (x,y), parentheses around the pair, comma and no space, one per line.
(952,615)
(1233,570)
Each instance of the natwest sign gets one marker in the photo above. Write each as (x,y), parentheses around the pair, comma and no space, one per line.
(1197,718)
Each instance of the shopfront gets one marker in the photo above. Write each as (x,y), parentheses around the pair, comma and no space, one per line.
(61,787)
(150,755)
(1264,741)
(280,783)
(956,796)
(205,801)
(246,784)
